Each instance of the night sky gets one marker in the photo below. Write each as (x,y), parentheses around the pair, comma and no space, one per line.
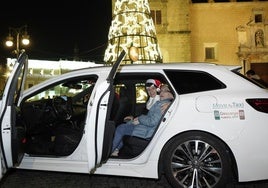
(55,29)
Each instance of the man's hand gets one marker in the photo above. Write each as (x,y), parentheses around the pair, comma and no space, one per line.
(164,106)
(135,121)
(128,118)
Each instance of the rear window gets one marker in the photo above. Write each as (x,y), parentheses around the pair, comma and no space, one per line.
(193,81)
(260,83)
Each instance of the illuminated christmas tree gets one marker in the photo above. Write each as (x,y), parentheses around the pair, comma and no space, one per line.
(132,30)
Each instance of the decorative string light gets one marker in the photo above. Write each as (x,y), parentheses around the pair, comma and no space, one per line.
(132,29)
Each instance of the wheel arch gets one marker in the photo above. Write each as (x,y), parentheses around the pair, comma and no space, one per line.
(232,159)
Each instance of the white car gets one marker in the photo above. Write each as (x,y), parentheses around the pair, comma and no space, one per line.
(214,132)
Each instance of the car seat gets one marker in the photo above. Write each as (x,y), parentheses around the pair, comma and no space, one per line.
(123,106)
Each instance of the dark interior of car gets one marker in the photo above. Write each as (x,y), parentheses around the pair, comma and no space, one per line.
(55,125)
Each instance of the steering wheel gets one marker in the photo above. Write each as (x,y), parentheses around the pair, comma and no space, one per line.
(62,107)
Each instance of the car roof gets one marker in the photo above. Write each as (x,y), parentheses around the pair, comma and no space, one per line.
(171,65)
(184,65)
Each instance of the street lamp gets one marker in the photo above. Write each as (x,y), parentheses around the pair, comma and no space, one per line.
(22,37)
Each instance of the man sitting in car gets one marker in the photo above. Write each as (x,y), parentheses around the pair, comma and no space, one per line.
(142,126)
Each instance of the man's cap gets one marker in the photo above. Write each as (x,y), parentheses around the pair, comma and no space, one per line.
(154,82)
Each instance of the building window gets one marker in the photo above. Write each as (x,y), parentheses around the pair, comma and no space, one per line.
(257,14)
(156,16)
(210,53)
(210,50)
(258,18)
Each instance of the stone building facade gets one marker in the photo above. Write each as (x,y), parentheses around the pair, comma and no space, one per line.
(224,32)
(229,30)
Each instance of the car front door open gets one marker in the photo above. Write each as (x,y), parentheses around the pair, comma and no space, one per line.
(12,132)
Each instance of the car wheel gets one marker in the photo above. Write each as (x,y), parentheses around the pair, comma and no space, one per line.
(198,160)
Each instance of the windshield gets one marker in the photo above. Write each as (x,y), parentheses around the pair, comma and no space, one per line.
(76,89)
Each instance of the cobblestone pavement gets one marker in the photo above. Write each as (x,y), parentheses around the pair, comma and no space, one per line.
(41,179)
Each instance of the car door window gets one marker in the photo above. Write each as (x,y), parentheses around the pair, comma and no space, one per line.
(191,81)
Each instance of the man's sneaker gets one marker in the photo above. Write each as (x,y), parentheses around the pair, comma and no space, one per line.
(115,153)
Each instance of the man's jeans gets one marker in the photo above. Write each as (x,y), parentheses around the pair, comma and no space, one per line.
(121,130)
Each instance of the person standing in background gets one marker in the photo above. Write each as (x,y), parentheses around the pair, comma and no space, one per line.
(251,74)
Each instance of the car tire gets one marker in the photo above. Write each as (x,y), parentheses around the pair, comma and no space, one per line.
(197,159)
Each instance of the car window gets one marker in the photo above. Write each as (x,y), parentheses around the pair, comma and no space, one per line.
(251,80)
(77,89)
(141,94)
(186,81)
(134,93)
(135,89)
